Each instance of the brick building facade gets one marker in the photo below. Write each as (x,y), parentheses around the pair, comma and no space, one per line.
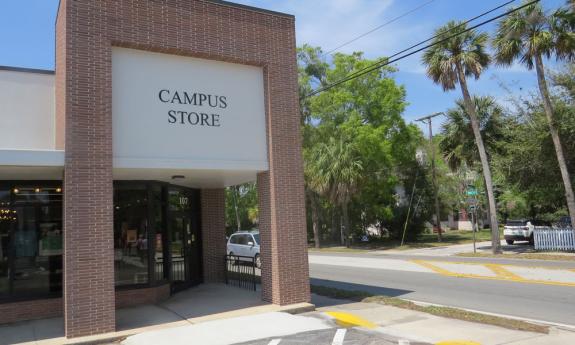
(111,230)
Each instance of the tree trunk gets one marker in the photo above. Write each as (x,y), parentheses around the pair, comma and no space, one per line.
(238,222)
(345,232)
(555,136)
(335,230)
(315,221)
(470,108)
(435,186)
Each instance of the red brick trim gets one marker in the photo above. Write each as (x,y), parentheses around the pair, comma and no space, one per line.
(53,307)
(30,310)
(213,234)
(150,295)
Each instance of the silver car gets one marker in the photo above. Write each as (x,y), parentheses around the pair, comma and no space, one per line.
(245,244)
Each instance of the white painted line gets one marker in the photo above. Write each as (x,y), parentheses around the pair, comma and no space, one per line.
(547,323)
(376,263)
(275,342)
(339,337)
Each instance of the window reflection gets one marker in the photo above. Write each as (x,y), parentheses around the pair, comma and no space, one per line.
(36,240)
(6,219)
(131,235)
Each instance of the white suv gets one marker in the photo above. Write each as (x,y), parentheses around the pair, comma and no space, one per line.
(517,230)
(521,230)
(245,244)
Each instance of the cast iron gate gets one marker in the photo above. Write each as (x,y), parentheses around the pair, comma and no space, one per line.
(240,271)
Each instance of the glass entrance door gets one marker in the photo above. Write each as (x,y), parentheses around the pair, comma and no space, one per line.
(184,247)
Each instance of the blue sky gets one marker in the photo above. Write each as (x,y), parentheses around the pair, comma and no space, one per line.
(27,39)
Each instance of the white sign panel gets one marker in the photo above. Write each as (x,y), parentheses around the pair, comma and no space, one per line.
(27,120)
(174,112)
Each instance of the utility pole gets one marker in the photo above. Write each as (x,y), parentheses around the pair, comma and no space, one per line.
(427,119)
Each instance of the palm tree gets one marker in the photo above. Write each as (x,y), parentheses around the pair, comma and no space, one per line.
(449,61)
(457,143)
(334,169)
(529,35)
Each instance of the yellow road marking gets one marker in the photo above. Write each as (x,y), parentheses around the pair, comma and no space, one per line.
(457,342)
(506,265)
(350,320)
(434,268)
(502,273)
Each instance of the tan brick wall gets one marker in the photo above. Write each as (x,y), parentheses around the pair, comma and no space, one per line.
(213,234)
(86,32)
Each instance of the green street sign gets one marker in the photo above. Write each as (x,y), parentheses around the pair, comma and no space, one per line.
(471,190)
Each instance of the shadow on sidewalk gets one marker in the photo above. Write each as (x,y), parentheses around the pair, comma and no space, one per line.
(204,302)
(375,290)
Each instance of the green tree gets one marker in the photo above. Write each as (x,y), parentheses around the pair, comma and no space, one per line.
(366,115)
(451,60)
(525,158)
(457,143)
(335,169)
(241,207)
(529,36)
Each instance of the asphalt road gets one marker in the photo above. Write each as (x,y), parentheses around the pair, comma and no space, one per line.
(532,301)
(328,337)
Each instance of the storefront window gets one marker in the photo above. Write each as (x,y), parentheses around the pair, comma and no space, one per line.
(36,240)
(154,232)
(131,234)
(155,236)
(161,268)
(6,219)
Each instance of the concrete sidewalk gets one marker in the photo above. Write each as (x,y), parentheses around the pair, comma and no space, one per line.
(354,323)
(447,250)
(426,328)
(454,249)
(461,269)
(204,303)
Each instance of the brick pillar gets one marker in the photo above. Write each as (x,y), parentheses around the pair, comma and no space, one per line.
(285,273)
(282,216)
(213,234)
(83,104)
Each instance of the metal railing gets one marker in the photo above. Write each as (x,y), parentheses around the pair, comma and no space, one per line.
(159,270)
(240,271)
(554,239)
(178,270)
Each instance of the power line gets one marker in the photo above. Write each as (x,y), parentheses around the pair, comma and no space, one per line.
(387,61)
(379,27)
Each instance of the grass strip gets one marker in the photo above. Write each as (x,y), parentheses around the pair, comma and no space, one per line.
(526,256)
(423,241)
(448,312)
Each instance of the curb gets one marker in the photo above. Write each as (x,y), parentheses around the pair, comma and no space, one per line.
(570,328)
(298,308)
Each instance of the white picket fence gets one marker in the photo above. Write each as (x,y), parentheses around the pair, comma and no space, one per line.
(554,239)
